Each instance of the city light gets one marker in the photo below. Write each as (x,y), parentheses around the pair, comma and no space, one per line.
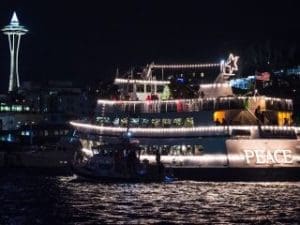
(184,66)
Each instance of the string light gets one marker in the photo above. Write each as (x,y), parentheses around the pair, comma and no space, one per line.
(131,81)
(113,102)
(184,66)
(220,159)
(203,130)
(231,64)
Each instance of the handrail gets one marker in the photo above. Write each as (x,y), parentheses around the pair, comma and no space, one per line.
(191,105)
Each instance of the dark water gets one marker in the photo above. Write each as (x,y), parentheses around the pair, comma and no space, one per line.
(26,199)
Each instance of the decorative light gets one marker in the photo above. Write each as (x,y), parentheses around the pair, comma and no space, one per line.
(192,159)
(131,81)
(116,102)
(100,128)
(184,66)
(87,151)
(226,67)
(209,130)
(230,65)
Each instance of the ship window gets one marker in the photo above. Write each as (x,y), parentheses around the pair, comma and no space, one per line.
(99,119)
(273,133)
(236,132)
(143,149)
(140,88)
(116,121)
(177,122)
(175,150)
(219,117)
(151,150)
(160,89)
(164,150)
(144,122)
(189,122)
(186,150)
(198,149)
(284,118)
(107,121)
(102,120)
(155,122)
(171,107)
(166,122)
(148,88)
(134,121)
(124,122)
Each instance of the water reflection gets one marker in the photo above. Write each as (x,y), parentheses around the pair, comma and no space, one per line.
(61,200)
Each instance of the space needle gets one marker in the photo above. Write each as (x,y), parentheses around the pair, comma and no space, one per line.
(14,31)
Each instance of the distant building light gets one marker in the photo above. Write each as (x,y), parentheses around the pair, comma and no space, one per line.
(9,138)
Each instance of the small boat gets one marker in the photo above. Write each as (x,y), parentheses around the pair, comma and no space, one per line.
(118,163)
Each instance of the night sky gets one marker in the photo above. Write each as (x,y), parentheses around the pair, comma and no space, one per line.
(87,40)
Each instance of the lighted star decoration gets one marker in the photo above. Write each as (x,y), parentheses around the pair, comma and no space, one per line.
(231,64)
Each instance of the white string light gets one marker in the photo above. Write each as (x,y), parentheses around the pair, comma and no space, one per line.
(131,81)
(230,65)
(184,66)
(115,102)
(204,130)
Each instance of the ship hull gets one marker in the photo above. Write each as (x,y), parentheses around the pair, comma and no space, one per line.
(238,174)
(222,158)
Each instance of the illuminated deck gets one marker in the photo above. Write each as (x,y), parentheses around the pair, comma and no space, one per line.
(193,105)
(180,132)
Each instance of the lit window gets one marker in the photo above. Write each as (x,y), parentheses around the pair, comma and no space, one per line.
(155,122)
(166,122)
(177,122)
(189,122)
(116,121)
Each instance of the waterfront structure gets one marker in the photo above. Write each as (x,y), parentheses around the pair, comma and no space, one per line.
(212,136)
(14,31)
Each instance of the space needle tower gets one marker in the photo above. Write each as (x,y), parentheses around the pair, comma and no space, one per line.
(14,31)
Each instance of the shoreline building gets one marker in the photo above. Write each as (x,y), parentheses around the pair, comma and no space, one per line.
(14,31)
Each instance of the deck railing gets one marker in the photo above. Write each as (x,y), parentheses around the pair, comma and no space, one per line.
(182,132)
(194,105)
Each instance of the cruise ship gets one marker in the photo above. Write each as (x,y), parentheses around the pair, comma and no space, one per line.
(213,134)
